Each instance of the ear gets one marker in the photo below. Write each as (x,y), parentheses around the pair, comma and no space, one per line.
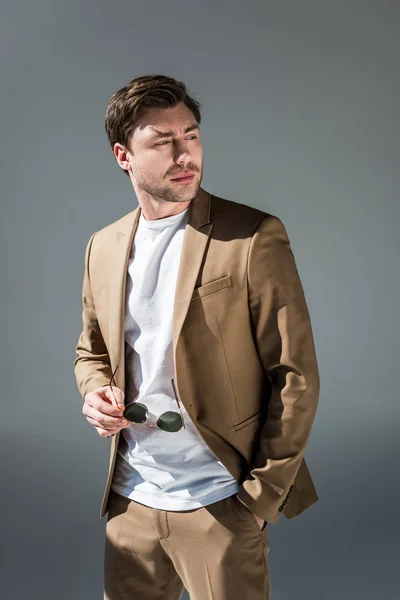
(122,156)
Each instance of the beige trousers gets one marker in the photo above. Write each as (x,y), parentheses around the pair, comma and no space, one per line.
(216,552)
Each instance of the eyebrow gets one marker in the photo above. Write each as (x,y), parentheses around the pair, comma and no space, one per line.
(158,134)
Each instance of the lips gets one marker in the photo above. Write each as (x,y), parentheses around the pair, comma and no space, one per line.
(183,177)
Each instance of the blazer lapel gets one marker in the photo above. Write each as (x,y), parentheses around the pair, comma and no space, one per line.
(119,265)
(195,240)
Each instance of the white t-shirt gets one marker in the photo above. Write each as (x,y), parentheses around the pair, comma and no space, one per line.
(166,470)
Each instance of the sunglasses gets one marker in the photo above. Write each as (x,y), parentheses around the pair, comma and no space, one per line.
(136,412)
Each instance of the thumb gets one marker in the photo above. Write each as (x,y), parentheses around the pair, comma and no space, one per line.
(116,396)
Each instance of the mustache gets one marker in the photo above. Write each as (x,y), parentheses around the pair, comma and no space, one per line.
(185,171)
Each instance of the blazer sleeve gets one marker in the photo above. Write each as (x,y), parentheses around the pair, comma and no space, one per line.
(286,348)
(92,366)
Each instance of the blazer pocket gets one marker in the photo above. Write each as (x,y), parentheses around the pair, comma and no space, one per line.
(213,286)
(248,420)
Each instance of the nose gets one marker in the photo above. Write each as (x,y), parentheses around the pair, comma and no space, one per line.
(182,153)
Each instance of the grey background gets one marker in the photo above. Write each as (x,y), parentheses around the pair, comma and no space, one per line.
(301,118)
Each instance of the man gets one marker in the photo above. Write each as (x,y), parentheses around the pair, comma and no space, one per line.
(197,361)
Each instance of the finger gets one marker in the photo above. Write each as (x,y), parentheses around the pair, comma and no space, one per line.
(103,405)
(94,406)
(107,432)
(95,423)
(114,395)
(103,420)
(104,432)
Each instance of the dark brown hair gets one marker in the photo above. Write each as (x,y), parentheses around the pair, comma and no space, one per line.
(127,105)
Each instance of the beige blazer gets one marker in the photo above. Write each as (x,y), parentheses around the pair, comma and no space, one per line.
(244,355)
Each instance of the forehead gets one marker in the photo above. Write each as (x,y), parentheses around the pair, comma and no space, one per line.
(155,122)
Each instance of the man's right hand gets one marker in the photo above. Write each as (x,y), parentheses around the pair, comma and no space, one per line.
(105,412)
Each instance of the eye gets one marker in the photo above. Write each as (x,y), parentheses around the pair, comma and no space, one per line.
(193,137)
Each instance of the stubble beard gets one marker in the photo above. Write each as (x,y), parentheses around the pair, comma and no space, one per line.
(169,192)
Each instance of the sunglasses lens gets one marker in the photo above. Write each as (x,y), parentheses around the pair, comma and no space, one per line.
(170,421)
(135,412)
